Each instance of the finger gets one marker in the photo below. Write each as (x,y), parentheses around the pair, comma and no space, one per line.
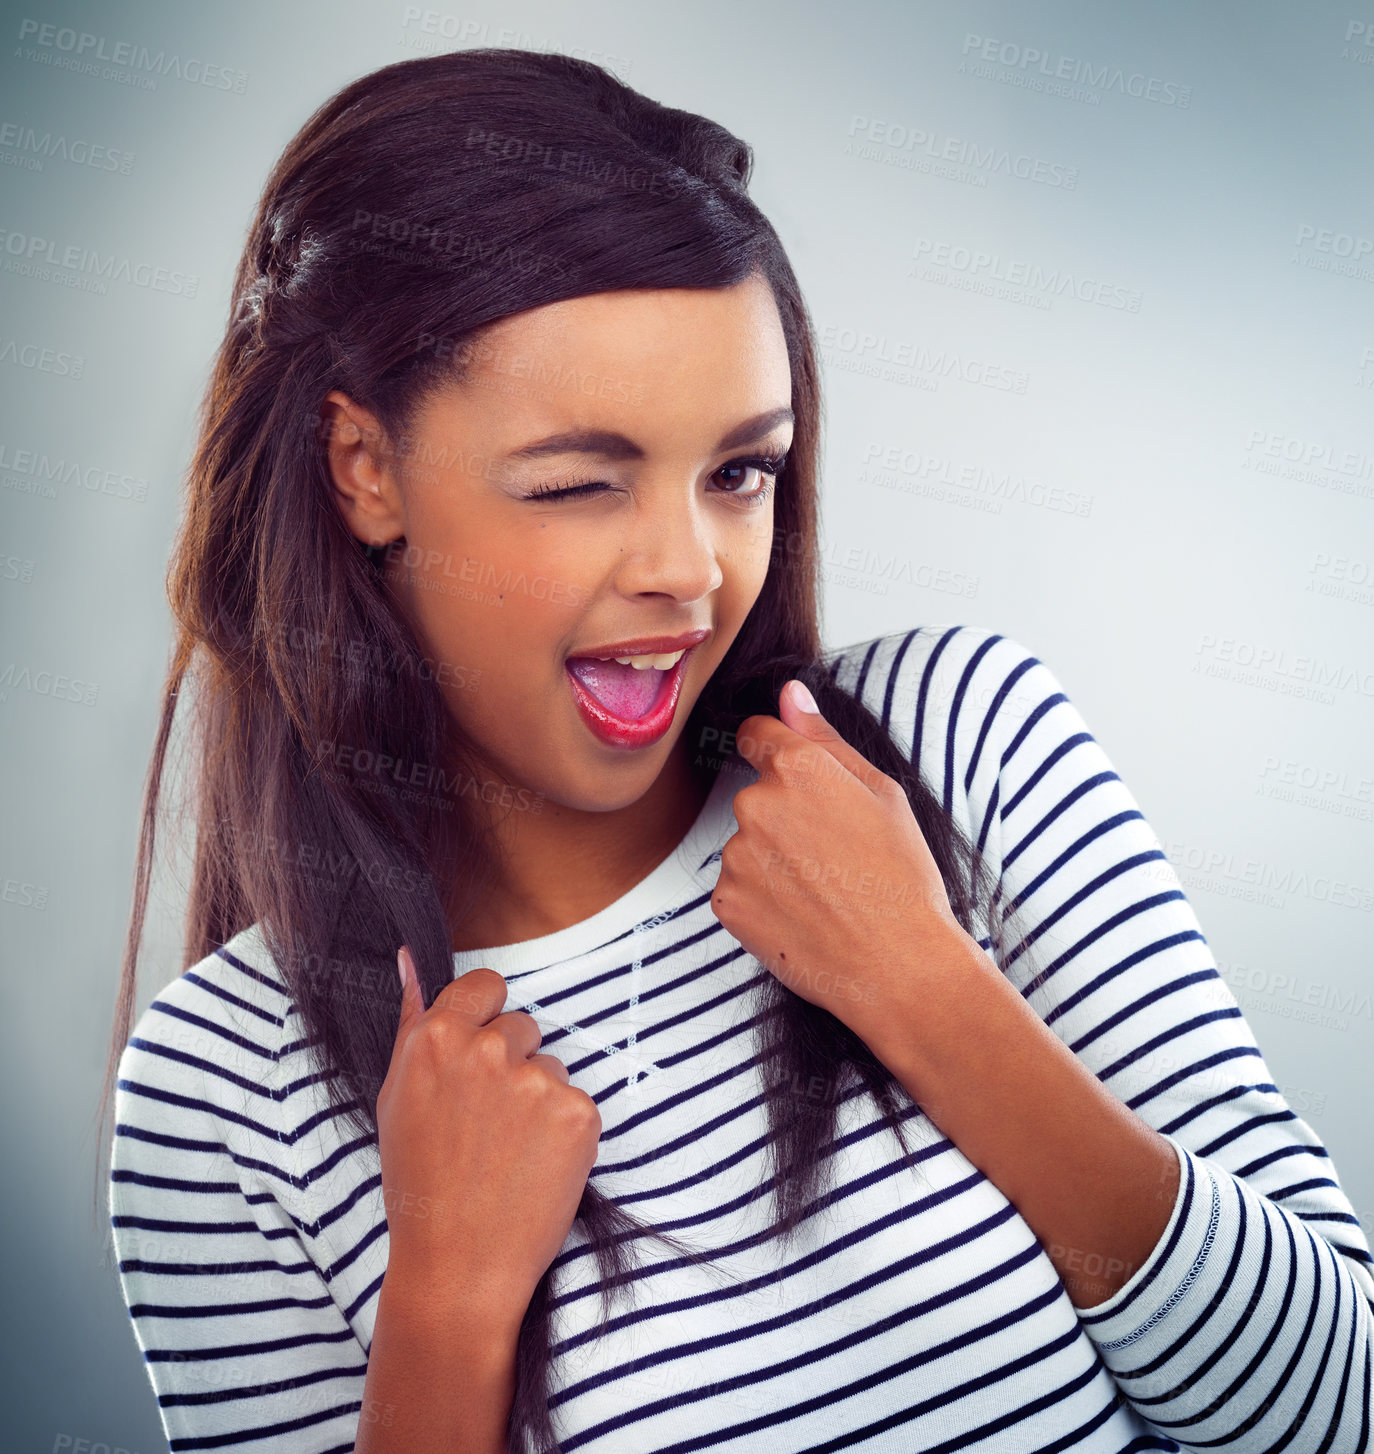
(553,1065)
(814,726)
(760,740)
(521,1031)
(412,1003)
(479,994)
(839,759)
(757,740)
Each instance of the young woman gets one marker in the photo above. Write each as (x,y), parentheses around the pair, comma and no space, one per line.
(585,1042)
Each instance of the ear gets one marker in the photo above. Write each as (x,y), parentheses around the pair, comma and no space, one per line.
(364,484)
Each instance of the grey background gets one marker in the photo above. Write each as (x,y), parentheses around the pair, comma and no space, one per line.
(1238,225)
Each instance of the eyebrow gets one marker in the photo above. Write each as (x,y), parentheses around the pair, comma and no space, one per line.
(609,445)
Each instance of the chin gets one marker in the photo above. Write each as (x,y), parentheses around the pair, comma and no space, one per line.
(620,789)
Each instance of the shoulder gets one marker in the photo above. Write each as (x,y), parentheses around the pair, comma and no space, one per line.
(975,710)
(222,1025)
(940,687)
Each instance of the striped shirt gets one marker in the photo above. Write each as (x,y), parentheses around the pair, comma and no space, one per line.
(916,1312)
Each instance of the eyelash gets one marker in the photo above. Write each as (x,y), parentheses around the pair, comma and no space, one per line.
(770,465)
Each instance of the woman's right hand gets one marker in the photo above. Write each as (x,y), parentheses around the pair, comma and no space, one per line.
(485,1145)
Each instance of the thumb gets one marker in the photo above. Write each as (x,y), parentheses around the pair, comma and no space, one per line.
(800,713)
(412,1002)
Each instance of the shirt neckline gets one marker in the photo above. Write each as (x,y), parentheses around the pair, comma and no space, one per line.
(660,886)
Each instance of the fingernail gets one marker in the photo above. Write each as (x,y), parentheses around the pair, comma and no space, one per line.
(802,697)
(401,964)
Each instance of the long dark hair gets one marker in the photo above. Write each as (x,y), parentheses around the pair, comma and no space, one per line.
(424,201)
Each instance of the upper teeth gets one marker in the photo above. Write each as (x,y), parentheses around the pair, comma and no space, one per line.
(662,662)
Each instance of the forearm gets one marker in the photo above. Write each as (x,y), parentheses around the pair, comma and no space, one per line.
(440,1373)
(1093,1181)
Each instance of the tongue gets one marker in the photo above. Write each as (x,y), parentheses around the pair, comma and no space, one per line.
(624,691)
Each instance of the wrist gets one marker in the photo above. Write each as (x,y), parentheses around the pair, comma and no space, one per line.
(955,985)
(431,1297)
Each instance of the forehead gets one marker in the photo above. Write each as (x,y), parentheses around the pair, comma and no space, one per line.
(650,357)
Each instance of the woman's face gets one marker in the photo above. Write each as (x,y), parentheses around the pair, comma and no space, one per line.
(660,399)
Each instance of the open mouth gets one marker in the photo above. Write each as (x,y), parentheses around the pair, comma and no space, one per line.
(630,702)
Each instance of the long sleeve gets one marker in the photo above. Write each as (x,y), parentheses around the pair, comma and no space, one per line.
(244,1343)
(1248,1327)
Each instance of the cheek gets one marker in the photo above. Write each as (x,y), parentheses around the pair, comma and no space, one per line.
(504,626)
(487,590)
(750,554)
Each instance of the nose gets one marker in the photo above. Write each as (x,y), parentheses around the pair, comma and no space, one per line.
(670,548)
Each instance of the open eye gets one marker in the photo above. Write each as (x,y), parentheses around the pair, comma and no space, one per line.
(769,468)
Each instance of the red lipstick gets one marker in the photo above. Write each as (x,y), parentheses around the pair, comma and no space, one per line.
(646,645)
(604,721)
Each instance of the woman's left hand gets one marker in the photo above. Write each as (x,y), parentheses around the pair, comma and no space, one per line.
(829,882)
